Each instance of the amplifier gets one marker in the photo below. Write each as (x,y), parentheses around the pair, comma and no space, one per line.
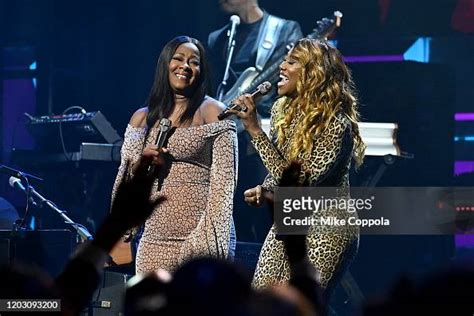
(77,128)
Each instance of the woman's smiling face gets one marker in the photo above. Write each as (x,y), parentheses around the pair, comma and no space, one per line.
(290,70)
(184,68)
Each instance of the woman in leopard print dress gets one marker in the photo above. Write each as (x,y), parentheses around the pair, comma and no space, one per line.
(315,122)
(197,172)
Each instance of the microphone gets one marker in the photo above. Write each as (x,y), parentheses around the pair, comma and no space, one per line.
(234,22)
(262,89)
(165,127)
(15,183)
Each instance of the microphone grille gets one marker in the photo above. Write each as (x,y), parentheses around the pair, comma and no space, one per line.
(12,180)
(235,19)
(265,87)
(166,123)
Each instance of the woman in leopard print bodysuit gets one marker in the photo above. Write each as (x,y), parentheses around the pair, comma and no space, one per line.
(315,122)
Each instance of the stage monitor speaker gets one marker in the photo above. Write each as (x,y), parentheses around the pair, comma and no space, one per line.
(108,299)
(50,250)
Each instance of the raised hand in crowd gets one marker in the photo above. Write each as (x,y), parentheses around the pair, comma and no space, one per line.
(131,207)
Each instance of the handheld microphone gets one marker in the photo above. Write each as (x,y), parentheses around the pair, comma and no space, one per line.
(262,89)
(165,127)
(234,22)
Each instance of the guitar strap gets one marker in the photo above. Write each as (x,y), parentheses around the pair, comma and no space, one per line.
(267,38)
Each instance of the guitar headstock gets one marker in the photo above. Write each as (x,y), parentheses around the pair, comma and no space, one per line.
(326,26)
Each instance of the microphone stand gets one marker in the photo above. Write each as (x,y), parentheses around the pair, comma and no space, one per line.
(230,53)
(17,173)
(79,228)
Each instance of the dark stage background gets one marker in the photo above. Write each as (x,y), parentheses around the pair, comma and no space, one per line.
(101,55)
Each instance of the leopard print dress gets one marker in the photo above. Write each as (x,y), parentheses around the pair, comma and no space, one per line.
(198,183)
(328,165)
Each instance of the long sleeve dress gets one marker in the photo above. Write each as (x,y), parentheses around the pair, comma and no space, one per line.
(199,183)
(328,166)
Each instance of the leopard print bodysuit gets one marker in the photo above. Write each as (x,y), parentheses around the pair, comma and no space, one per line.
(328,166)
(199,183)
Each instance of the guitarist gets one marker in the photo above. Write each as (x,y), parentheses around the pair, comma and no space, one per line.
(256,27)
(261,40)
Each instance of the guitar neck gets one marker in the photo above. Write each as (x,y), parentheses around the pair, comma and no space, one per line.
(270,74)
(325,27)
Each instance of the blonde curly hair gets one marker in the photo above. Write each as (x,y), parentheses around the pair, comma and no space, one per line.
(323,90)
